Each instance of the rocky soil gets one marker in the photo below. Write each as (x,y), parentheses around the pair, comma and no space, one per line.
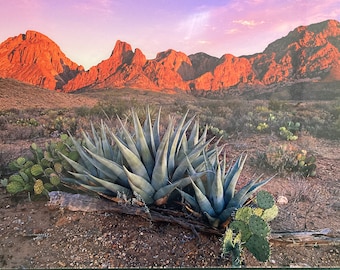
(33,236)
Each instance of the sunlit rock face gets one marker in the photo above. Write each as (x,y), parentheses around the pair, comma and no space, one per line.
(307,52)
(35,59)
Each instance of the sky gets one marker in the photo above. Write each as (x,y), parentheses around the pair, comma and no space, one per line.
(87,30)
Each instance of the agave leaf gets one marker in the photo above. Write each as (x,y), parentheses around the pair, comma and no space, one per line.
(84,157)
(95,135)
(127,138)
(217,190)
(110,186)
(107,149)
(155,131)
(174,144)
(226,213)
(192,177)
(80,176)
(160,171)
(75,165)
(138,183)
(88,142)
(110,168)
(148,132)
(140,186)
(190,199)
(254,188)
(142,146)
(215,222)
(193,157)
(224,166)
(194,135)
(203,201)
(70,180)
(231,178)
(96,189)
(182,134)
(165,191)
(132,160)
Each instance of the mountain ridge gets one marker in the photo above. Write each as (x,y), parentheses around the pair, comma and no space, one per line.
(307,52)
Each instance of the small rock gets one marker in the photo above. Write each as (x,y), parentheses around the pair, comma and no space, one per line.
(281,200)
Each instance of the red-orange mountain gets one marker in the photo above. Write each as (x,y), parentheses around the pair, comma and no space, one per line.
(307,52)
(35,59)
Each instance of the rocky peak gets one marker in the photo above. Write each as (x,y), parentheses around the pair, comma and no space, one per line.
(306,52)
(34,58)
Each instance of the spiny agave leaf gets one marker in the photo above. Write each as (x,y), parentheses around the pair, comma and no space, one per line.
(133,161)
(203,137)
(215,222)
(254,188)
(141,187)
(224,166)
(217,193)
(128,138)
(203,201)
(183,131)
(194,135)
(85,158)
(198,180)
(110,168)
(75,165)
(107,149)
(139,183)
(80,176)
(160,171)
(110,186)
(165,191)
(95,135)
(198,162)
(247,191)
(155,130)
(232,177)
(142,146)
(210,177)
(95,188)
(192,177)
(148,132)
(193,157)
(88,142)
(226,213)
(174,144)
(190,199)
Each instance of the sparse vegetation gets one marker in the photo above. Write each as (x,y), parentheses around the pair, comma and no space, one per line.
(232,121)
(285,159)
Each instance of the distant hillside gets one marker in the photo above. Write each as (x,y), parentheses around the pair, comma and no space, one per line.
(19,95)
(306,53)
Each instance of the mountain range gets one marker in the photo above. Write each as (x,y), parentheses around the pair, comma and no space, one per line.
(307,53)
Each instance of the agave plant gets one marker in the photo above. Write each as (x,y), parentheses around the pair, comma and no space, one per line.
(215,195)
(144,162)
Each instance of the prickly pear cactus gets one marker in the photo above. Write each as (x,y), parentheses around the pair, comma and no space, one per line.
(270,214)
(264,199)
(42,173)
(251,225)
(242,228)
(259,247)
(258,226)
(244,213)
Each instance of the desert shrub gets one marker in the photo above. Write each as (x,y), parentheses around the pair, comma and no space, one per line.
(285,159)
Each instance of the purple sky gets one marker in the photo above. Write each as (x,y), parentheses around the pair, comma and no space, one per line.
(87,30)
